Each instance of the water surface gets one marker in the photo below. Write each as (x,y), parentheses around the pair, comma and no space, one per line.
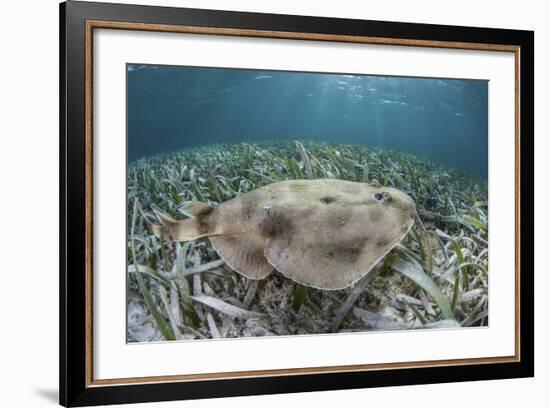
(172,108)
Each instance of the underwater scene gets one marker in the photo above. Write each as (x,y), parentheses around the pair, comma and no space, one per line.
(270,203)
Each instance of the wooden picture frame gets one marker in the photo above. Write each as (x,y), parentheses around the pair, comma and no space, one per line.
(78,20)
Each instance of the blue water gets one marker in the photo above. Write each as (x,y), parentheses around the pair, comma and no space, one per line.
(172,108)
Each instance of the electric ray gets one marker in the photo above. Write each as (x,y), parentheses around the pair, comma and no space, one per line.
(323,233)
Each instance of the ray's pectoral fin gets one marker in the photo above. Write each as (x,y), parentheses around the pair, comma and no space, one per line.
(244,254)
(328,266)
(201,224)
(316,265)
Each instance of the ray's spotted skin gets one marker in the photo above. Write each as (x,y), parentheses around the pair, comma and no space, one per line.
(324,233)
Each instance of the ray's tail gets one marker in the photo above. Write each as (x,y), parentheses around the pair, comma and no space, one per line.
(201,224)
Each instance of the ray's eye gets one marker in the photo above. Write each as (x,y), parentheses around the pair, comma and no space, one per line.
(383,197)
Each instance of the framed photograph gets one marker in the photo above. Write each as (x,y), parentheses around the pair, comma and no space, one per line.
(256,203)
